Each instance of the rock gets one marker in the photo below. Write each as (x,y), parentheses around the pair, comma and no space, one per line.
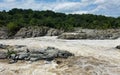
(12,61)
(22,56)
(34,59)
(32,31)
(54,32)
(118,47)
(64,54)
(91,34)
(3,46)
(3,55)
(36,31)
(20,48)
(49,54)
(3,33)
(13,56)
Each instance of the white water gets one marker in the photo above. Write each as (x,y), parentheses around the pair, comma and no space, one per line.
(100,49)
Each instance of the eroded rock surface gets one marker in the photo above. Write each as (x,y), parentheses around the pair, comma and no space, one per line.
(3,33)
(21,52)
(91,34)
(36,31)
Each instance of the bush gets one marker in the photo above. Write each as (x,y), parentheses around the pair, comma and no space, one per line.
(9,52)
(12,26)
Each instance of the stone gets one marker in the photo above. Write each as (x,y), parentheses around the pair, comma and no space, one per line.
(3,33)
(3,55)
(12,61)
(118,47)
(22,56)
(49,54)
(13,56)
(64,54)
(3,46)
(31,31)
(34,59)
(91,34)
(54,32)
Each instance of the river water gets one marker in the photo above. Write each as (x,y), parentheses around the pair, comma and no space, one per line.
(92,57)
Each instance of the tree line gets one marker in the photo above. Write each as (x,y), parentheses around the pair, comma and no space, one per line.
(15,19)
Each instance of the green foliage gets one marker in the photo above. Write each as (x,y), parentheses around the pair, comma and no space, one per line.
(17,18)
(12,26)
(9,52)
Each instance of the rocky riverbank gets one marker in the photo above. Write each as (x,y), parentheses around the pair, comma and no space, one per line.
(91,34)
(27,32)
(36,31)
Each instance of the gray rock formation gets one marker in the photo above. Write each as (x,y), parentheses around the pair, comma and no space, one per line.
(21,52)
(35,31)
(3,33)
(49,54)
(91,34)
(54,32)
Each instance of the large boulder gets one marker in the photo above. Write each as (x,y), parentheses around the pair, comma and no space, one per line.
(46,54)
(36,31)
(50,53)
(21,52)
(32,31)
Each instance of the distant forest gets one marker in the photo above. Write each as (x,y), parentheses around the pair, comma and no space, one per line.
(17,18)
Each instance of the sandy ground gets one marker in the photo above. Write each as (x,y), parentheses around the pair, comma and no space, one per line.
(101,50)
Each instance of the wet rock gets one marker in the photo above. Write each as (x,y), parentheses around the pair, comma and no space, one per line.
(64,54)
(19,46)
(3,46)
(13,56)
(12,61)
(50,54)
(118,47)
(3,55)
(34,59)
(22,56)
(20,52)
